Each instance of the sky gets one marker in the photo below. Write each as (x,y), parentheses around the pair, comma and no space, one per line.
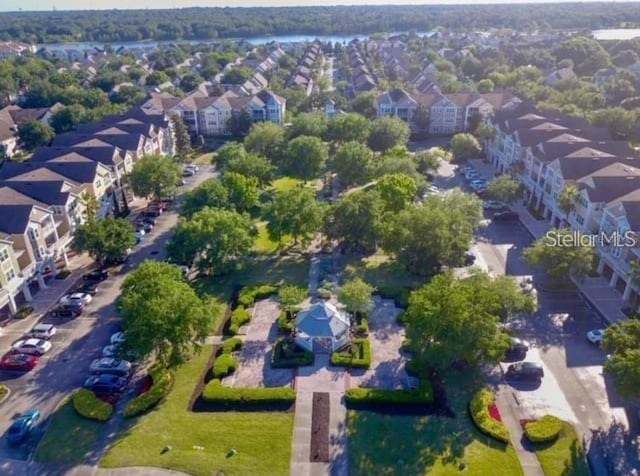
(13,5)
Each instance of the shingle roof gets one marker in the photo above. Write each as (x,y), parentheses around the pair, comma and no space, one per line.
(79,172)
(322,320)
(14,218)
(48,193)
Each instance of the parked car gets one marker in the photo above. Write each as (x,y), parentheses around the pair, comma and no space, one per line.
(525,371)
(432,190)
(469,259)
(493,205)
(43,331)
(76,297)
(139,236)
(152,212)
(97,275)
(145,227)
(105,384)
(109,365)
(19,362)
(162,204)
(110,351)
(472,175)
(188,173)
(518,346)
(506,217)
(193,167)
(595,336)
(70,311)
(90,288)
(117,261)
(32,346)
(478,184)
(23,425)
(147,219)
(117,338)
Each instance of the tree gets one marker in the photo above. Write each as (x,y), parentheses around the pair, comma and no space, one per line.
(464,146)
(252,165)
(561,254)
(156,78)
(67,118)
(291,295)
(33,133)
(348,127)
(211,193)
(239,124)
(421,118)
(228,152)
(567,199)
(190,81)
(587,54)
(161,313)
(214,239)
(619,121)
(181,135)
(504,189)
(237,76)
(365,105)
(356,296)
(242,191)
(485,86)
(618,89)
(396,191)
(306,157)
(127,95)
(104,240)
(353,164)
(355,219)
(621,342)
(309,124)
(625,58)
(155,176)
(388,132)
(266,139)
(428,161)
(294,212)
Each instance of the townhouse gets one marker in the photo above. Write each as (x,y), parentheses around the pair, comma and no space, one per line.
(10,119)
(302,75)
(13,49)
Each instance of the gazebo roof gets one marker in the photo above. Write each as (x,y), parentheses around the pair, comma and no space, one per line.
(322,320)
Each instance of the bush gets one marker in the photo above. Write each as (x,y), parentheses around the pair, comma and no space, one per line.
(543,430)
(286,354)
(230,345)
(400,318)
(286,323)
(224,365)
(479,410)
(162,381)
(239,317)
(250,294)
(215,392)
(419,396)
(358,356)
(362,329)
(24,312)
(91,407)
(323,293)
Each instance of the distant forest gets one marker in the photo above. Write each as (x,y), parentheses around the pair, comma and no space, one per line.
(210,23)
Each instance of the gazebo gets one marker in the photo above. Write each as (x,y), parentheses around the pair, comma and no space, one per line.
(322,323)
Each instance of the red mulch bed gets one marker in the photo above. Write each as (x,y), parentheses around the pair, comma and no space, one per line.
(524,421)
(320,428)
(109,398)
(145,385)
(494,412)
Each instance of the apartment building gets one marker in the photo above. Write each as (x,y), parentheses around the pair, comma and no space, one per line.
(10,119)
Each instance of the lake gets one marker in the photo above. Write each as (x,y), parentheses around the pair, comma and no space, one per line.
(616,34)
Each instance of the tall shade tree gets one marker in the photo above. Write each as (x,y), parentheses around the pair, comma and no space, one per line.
(621,342)
(504,188)
(155,176)
(213,239)
(242,191)
(365,105)
(291,295)
(252,165)
(428,161)
(161,313)
(306,157)
(356,296)
(228,152)
(33,133)
(349,127)
(353,163)
(294,212)
(560,255)
(355,219)
(104,240)
(266,139)
(211,193)
(312,124)
(465,146)
(181,135)
(388,132)
(396,191)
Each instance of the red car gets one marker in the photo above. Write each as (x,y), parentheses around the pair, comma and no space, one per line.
(21,362)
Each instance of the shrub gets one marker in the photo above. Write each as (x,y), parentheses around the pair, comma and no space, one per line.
(362,329)
(286,354)
(239,317)
(545,429)
(286,322)
(91,407)
(323,293)
(224,365)
(400,318)
(250,294)
(24,312)
(479,410)
(358,356)
(215,392)
(419,396)
(162,381)
(230,345)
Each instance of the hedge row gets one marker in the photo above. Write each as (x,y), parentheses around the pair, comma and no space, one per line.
(230,345)
(250,294)
(360,359)
(286,323)
(479,410)
(215,392)
(224,365)
(545,429)
(300,357)
(362,329)
(239,317)
(419,396)
(162,380)
(91,407)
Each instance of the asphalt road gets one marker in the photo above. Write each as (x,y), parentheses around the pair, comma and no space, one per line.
(77,342)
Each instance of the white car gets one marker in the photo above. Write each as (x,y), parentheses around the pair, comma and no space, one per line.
(117,338)
(43,331)
(595,336)
(478,184)
(76,297)
(472,175)
(193,167)
(110,350)
(32,346)
(493,205)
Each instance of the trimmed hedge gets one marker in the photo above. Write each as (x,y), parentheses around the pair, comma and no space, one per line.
(286,324)
(215,392)
(545,429)
(239,317)
(479,410)
(23,312)
(250,294)
(420,396)
(362,329)
(230,345)
(162,381)
(224,365)
(88,406)
(300,357)
(361,359)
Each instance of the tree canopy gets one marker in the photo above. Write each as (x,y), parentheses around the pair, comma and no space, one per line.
(155,176)
(387,132)
(621,342)
(353,163)
(295,213)
(464,146)
(349,127)
(106,239)
(355,219)
(504,189)
(210,193)
(306,157)
(356,296)
(266,139)
(309,124)
(33,133)
(396,191)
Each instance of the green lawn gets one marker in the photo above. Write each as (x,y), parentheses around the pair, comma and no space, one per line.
(402,445)
(564,456)
(262,440)
(69,438)
(203,159)
(263,244)
(285,183)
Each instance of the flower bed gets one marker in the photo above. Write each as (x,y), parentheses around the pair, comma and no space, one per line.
(479,411)
(494,412)
(87,405)
(162,381)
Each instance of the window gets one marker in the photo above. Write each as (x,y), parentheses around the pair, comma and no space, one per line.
(10,274)
(4,255)
(579,219)
(34,234)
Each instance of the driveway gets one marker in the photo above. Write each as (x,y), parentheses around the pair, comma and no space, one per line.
(78,341)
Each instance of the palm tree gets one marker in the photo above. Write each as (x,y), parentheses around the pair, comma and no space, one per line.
(567,200)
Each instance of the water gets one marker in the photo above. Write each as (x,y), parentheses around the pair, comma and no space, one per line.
(616,34)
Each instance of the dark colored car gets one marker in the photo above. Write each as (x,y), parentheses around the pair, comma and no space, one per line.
(144,226)
(19,362)
(152,212)
(97,275)
(146,219)
(90,287)
(506,216)
(517,348)
(105,383)
(469,259)
(70,310)
(23,425)
(525,371)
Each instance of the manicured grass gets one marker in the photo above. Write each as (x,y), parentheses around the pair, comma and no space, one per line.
(262,243)
(69,438)
(564,456)
(203,159)
(428,445)
(285,183)
(262,440)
